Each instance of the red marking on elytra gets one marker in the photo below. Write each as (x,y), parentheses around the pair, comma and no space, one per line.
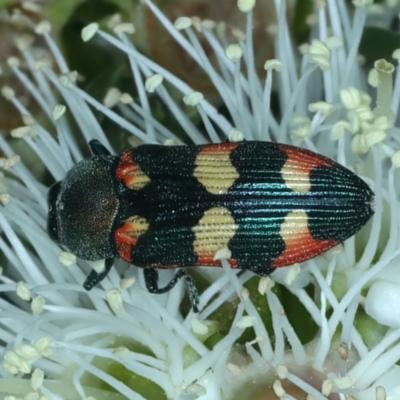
(219,147)
(304,160)
(302,248)
(125,241)
(127,169)
(209,261)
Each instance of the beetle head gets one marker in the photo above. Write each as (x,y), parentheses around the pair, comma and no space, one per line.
(83,207)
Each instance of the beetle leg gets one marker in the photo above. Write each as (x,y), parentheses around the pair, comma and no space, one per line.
(95,277)
(262,270)
(98,149)
(151,279)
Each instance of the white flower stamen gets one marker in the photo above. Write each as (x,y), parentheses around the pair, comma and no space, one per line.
(124,28)
(246,5)
(183,23)
(193,99)
(112,97)
(234,52)
(319,54)
(152,82)
(89,31)
(58,111)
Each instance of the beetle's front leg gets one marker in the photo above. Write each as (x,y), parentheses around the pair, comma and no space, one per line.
(96,277)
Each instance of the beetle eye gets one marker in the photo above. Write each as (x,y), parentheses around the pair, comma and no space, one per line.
(52,228)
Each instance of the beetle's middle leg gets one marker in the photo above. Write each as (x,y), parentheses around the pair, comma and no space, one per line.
(151,279)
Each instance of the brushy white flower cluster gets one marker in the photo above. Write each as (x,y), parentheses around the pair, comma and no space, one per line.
(54,333)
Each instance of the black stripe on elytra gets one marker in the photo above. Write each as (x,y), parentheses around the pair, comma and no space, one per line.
(255,202)
(339,203)
(158,161)
(172,202)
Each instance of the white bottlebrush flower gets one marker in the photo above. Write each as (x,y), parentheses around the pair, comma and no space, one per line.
(54,333)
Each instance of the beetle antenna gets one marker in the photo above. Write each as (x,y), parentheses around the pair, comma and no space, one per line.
(98,149)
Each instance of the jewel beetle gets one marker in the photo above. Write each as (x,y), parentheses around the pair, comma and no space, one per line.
(261,205)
